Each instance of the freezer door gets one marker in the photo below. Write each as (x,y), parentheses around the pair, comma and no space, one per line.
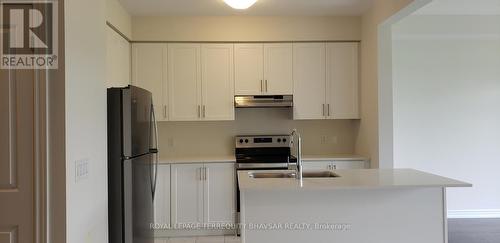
(138,200)
(137,122)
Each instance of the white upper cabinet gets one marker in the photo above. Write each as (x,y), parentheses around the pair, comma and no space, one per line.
(217,82)
(117,59)
(149,62)
(184,82)
(263,69)
(326,80)
(248,69)
(195,82)
(278,62)
(309,76)
(343,80)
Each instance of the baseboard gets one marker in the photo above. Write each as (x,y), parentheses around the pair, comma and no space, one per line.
(483,213)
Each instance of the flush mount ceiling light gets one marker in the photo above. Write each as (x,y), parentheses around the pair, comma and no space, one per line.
(240,4)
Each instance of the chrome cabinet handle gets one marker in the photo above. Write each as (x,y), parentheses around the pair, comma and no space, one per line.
(328,109)
(261,86)
(204,111)
(199,111)
(266,86)
(206,173)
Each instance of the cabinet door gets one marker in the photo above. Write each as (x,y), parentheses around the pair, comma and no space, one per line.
(309,80)
(220,193)
(117,59)
(316,165)
(149,72)
(278,62)
(162,195)
(217,81)
(184,82)
(350,164)
(187,193)
(342,80)
(248,69)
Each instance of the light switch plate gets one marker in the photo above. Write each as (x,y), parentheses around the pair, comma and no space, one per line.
(81,169)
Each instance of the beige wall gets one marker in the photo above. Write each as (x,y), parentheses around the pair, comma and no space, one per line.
(119,17)
(217,138)
(367,140)
(86,129)
(245,28)
(450,67)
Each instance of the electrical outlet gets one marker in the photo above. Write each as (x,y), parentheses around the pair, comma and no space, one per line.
(81,169)
(323,139)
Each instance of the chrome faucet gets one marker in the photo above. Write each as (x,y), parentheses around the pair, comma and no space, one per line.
(298,145)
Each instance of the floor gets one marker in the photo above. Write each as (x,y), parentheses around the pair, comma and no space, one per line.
(460,231)
(474,231)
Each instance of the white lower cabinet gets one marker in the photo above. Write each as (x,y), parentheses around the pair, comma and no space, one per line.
(162,195)
(334,165)
(220,193)
(187,193)
(203,193)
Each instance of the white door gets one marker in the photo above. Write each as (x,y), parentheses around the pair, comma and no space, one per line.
(342,80)
(316,165)
(184,82)
(278,62)
(149,72)
(309,80)
(220,193)
(187,193)
(217,81)
(117,59)
(162,195)
(248,69)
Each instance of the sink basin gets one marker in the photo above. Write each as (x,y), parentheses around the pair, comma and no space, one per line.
(271,175)
(319,174)
(307,174)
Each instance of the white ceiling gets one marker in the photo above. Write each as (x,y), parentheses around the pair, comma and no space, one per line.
(461,7)
(261,8)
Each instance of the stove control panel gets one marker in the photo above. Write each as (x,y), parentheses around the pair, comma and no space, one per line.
(263,141)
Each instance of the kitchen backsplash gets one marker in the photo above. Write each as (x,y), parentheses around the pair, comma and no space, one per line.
(212,138)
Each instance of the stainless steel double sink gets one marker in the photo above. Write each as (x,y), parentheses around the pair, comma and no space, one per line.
(292,174)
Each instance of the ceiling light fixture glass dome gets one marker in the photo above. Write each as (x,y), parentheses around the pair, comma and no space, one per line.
(240,4)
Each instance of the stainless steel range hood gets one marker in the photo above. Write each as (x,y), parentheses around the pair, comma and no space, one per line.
(263,101)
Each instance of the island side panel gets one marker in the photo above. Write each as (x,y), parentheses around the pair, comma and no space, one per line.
(410,215)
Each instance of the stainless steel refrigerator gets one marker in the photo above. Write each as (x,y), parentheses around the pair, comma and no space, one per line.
(132,164)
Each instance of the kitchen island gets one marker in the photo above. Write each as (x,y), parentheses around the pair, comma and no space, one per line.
(348,206)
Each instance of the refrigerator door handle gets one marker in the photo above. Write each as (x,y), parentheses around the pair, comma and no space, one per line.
(155,151)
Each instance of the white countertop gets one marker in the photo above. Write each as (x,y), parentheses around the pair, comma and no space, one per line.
(352,179)
(346,157)
(231,158)
(198,159)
